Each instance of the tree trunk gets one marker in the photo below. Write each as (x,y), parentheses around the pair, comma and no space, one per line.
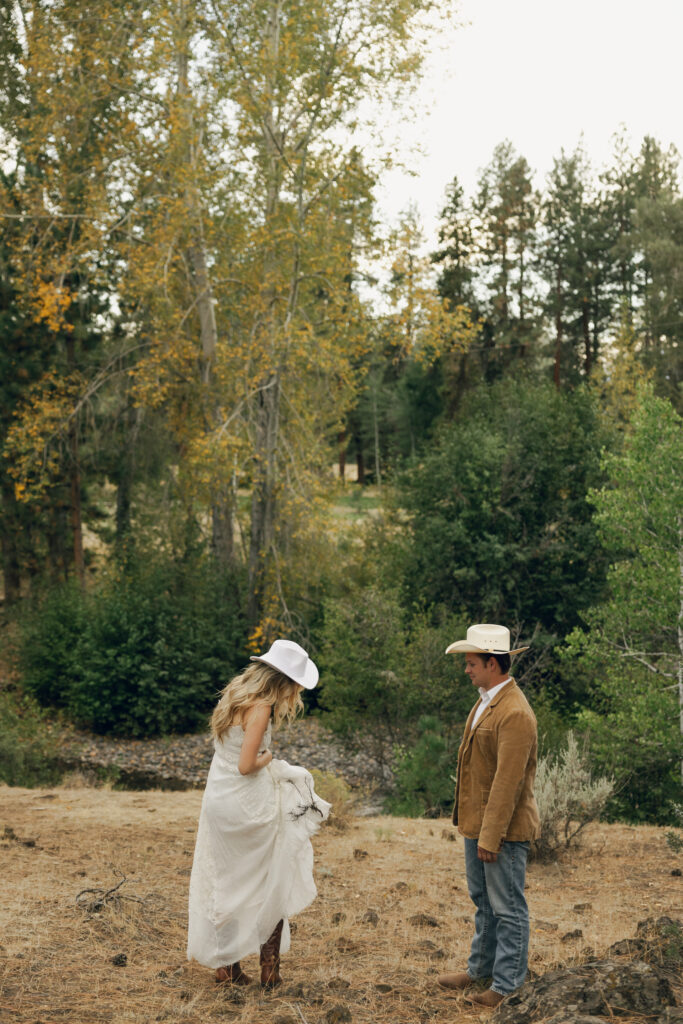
(680,628)
(263,495)
(585,325)
(75,514)
(558,327)
(267,417)
(341,441)
(223,497)
(360,464)
(9,532)
(126,472)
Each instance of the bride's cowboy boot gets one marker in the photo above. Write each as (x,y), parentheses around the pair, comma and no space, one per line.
(232,974)
(270,959)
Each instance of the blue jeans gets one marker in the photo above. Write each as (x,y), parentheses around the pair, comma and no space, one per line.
(501,923)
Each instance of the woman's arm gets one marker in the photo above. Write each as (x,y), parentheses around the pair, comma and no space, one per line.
(255,724)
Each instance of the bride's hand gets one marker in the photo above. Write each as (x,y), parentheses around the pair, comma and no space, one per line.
(264,759)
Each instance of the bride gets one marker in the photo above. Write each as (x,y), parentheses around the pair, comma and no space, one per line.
(253,861)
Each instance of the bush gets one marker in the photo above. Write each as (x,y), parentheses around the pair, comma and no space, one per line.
(568,799)
(674,839)
(425,774)
(29,748)
(383,670)
(143,653)
(336,791)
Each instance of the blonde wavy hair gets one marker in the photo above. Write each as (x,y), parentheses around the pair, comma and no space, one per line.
(257,684)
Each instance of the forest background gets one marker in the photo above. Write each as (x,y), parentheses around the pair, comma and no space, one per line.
(221,421)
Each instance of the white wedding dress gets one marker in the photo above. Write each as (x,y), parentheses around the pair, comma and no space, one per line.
(253,860)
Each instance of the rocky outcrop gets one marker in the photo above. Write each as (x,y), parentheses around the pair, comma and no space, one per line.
(617,986)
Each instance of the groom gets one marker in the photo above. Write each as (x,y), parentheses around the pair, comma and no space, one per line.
(495,810)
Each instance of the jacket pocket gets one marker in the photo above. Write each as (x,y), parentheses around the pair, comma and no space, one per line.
(485,740)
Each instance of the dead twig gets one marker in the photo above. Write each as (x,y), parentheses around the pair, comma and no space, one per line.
(100,898)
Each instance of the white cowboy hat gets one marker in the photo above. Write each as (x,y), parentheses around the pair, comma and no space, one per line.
(292,660)
(485,638)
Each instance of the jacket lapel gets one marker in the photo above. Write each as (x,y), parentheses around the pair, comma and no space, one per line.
(485,714)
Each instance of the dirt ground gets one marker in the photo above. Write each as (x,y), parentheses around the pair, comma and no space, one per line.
(126,962)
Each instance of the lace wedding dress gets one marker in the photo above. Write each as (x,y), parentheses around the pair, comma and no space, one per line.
(253,860)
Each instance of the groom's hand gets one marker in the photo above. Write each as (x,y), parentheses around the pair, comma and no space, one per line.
(486,855)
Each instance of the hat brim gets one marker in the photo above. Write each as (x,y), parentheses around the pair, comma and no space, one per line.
(463,647)
(311,674)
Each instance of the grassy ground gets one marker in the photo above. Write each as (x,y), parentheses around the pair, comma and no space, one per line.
(57,959)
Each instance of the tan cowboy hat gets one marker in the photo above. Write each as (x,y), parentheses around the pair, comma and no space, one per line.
(292,661)
(485,638)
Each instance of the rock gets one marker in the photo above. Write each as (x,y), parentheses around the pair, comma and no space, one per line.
(572,1017)
(663,938)
(657,941)
(338,1014)
(600,987)
(568,936)
(338,984)
(370,917)
(546,926)
(672,1015)
(423,921)
(120,960)
(338,917)
(384,988)
(360,854)
(345,945)
(401,886)
(677,872)
(448,834)
(295,991)
(233,994)
(580,907)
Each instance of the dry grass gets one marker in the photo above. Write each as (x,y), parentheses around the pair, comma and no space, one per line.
(56,958)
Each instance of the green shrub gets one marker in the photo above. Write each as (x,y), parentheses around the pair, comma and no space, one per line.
(141,654)
(29,748)
(425,773)
(383,669)
(674,838)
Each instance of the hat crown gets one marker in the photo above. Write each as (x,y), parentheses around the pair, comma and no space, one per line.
(291,660)
(489,637)
(288,654)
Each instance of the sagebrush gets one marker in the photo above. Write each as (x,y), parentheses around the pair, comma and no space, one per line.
(568,798)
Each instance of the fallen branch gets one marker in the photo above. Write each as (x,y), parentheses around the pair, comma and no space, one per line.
(98,899)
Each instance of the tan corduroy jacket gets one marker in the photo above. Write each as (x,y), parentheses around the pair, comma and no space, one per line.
(494,791)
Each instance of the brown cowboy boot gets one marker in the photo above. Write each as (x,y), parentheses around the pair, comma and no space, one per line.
(270,959)
(232,974)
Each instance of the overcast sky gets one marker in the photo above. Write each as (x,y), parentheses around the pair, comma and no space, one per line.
(539,72)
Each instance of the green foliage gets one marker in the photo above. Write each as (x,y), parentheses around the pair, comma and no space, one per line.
(554,722)
(630,647)
(383,670)
(499,523)
(424,773)
(143,653)
(674,840)
(29,744)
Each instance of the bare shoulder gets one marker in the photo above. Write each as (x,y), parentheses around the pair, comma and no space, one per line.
(256,715)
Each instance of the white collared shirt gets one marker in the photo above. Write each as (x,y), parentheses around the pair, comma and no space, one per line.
(486,698)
